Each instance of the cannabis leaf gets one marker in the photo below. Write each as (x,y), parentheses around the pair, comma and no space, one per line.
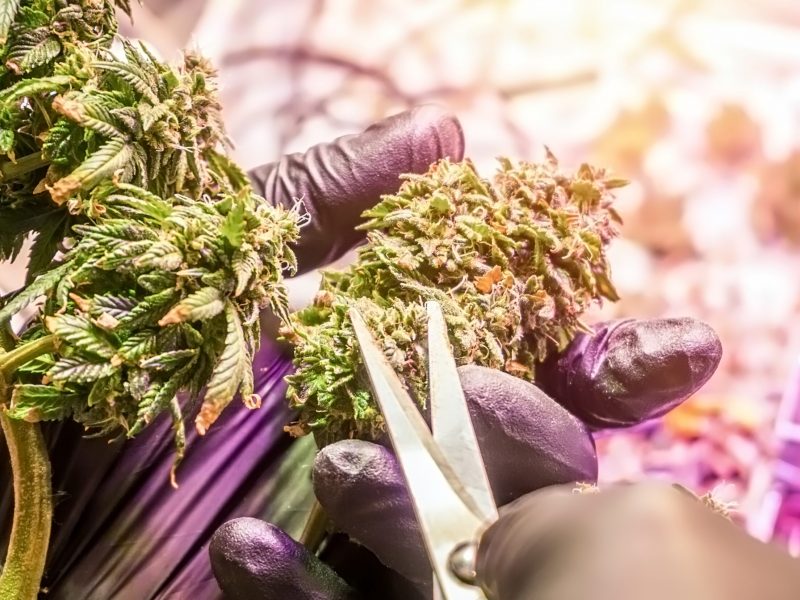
(154,401)
(114,155)
(81,334)
(233,227)
(34,402)
(246,262)
(40,286)
(8,10)
(32,87)
(203,304)
(74,370)
(168,360)
(33,49)
(228,374)
(137,78)
(45,245)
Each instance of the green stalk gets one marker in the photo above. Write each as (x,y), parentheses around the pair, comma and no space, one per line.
(33,510)
(11,361)
(316,528)
(33,502)
(26,164)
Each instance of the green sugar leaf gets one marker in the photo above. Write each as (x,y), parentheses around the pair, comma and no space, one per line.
(137,77)
(42,285)
(35,403)
(202,305)
(167,361)
(233,227)
(31,87)
(246,262)
(33,49)
(8,11)
(81,335)
(73,370)
(113,156)
(228,374)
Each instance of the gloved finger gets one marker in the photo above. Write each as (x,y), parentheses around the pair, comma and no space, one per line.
(544,536)
(338,181)
(252,559)
(631,370)
(361,487)
(528,441)
(645,540)
(509,554)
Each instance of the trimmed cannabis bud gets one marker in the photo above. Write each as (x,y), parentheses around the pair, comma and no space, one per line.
(151,250)
(513,261)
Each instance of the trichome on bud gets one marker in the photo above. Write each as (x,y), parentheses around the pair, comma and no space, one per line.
(514,261)
(151,251)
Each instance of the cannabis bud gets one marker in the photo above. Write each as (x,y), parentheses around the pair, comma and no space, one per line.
(513,261)
(152,252)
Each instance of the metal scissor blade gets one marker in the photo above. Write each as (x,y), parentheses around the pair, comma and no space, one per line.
(443,514)
(451,423)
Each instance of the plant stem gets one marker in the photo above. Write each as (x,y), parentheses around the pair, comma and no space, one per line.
(33,502)
(13,360)
(316,528)
(33,510)
(26,164)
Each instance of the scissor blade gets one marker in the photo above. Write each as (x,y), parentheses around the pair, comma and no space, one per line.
(444,517)
(451,423)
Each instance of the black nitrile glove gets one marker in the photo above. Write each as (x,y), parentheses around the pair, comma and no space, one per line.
(627,372)
(120,531)
(336,182)
(528,441)
(631,542)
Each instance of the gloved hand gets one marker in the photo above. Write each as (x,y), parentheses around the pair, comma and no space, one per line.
(630,542)
(627,372)
(120,531)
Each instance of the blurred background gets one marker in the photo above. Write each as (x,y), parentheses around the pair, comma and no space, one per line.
(697,102)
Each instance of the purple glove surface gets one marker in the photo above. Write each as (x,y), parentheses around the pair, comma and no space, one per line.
(120,530)
(267,550)
(629,371)
(339,181)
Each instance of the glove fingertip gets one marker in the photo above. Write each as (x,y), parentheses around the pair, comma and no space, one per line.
(251,558)
(632,370)
(361,487)
(436,133)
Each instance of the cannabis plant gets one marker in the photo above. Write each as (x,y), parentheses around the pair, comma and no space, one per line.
(514,262)
(151,256)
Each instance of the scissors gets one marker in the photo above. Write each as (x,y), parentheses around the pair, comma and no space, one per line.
(443,468)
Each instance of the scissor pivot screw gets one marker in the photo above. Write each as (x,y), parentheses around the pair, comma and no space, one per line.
(462,562)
